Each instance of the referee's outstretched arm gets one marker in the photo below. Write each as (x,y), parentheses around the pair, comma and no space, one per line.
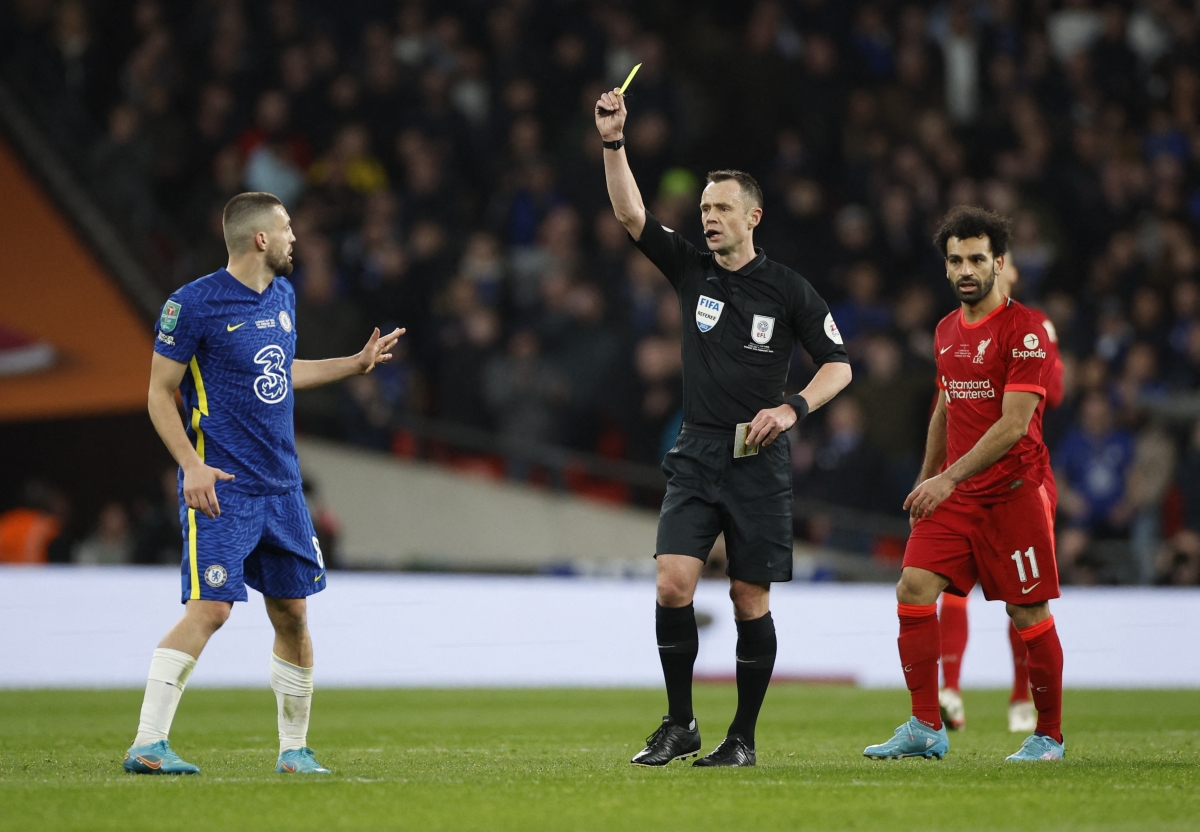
(622,189)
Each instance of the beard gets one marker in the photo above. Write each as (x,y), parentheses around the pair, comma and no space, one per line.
(279,263)
(984,289)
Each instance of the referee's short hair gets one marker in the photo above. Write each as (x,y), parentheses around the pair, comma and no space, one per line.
(745,181)
(244,217)
(967,221)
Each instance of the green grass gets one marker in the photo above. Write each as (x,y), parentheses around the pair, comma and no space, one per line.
(558,759)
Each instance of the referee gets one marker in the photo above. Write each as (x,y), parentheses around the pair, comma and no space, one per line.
(743,315)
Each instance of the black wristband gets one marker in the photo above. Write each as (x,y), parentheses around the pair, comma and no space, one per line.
(799,404)
(617,145)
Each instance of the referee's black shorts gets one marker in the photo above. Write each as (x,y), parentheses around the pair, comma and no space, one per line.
(750,499)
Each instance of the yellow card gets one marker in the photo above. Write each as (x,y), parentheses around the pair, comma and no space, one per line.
(632,73)
(740,448)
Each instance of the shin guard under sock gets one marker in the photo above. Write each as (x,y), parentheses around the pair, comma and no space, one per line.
(678,643)
(952,619)
(756,649)
(1020,686)
(1045,675)
(920,647)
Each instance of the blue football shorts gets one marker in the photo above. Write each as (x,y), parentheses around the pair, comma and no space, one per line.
(265,541)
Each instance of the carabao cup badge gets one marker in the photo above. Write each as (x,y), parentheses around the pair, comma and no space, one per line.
(762,328)
(170,316)
(708,312)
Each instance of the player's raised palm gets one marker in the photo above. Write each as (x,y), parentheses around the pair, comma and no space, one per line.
(378,350)
(610,115)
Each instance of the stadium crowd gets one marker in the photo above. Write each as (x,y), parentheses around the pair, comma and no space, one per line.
(443,173)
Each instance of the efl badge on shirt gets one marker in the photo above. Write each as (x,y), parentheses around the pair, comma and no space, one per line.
(831,330)
(170,316)
(708,312)
(762,329)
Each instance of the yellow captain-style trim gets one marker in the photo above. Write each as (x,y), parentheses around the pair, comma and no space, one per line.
(193,570)
(201,396)
(197,412)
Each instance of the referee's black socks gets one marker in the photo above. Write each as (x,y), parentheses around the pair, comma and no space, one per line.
(756,648)
(678,643)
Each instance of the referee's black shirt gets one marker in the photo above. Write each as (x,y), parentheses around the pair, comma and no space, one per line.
(739,328)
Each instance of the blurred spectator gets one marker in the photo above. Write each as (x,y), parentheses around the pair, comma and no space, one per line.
(896,404)
(1092,469)
(36,530)
(845,464)
(1179,559)
(157,534)
(111,542)
(524,392)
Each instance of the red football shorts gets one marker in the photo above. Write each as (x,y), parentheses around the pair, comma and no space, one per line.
(1006,547)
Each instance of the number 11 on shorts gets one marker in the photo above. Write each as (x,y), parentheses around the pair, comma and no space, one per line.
(1016,556)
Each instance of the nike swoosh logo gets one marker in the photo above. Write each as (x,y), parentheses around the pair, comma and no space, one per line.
(319,577)
(1025,591)
(150,762)
(943,352)
(231,327)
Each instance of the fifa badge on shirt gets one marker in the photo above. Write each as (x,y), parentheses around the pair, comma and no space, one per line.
(762,329)
(708,312)
(170,316)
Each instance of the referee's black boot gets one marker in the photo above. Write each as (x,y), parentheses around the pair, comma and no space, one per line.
(733,751)
(670,742)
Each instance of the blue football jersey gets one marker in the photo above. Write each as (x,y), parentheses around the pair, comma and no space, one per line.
(237,391)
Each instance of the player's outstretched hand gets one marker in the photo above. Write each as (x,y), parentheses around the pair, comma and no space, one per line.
(768,424)
(927,496)
(610,115)
(377,350)
(200,488)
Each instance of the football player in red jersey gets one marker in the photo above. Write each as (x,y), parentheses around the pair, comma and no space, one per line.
(952,616)
(982,511)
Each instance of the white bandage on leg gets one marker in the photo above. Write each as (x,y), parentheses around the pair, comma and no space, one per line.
(169,672)
(293,688)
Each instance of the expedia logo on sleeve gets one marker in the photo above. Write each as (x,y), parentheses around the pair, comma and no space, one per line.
(1031,348)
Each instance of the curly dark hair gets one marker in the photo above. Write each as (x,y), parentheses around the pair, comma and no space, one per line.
(967,221)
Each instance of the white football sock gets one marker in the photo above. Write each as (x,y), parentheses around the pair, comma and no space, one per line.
(293,688)
(169,672)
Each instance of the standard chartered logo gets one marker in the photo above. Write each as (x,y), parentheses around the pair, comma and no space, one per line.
(969,389)
(272,386)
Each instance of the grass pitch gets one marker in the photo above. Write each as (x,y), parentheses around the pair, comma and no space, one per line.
(558,759)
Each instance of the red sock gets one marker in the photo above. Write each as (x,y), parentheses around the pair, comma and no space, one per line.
(1020,689)
(953,621)
(920,647)
(1045,675)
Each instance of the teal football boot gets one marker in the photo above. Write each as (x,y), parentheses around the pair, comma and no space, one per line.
(299,761)
(156,758)
(912,739)
(1040,747)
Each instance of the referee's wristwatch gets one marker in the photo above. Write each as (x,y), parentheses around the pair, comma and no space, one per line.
(799,404)
(617,145)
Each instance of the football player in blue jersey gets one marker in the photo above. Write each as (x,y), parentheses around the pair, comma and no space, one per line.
(227,342)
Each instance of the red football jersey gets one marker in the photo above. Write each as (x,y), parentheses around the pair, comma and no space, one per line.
(1054,365)
(977,364)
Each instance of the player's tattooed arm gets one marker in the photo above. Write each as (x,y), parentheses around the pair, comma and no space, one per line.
(199,480)
(1017,410)
(378,350)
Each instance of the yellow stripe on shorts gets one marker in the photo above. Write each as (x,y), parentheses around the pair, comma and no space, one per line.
(192,568)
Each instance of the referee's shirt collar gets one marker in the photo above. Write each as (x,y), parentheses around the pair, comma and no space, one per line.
(760,258)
